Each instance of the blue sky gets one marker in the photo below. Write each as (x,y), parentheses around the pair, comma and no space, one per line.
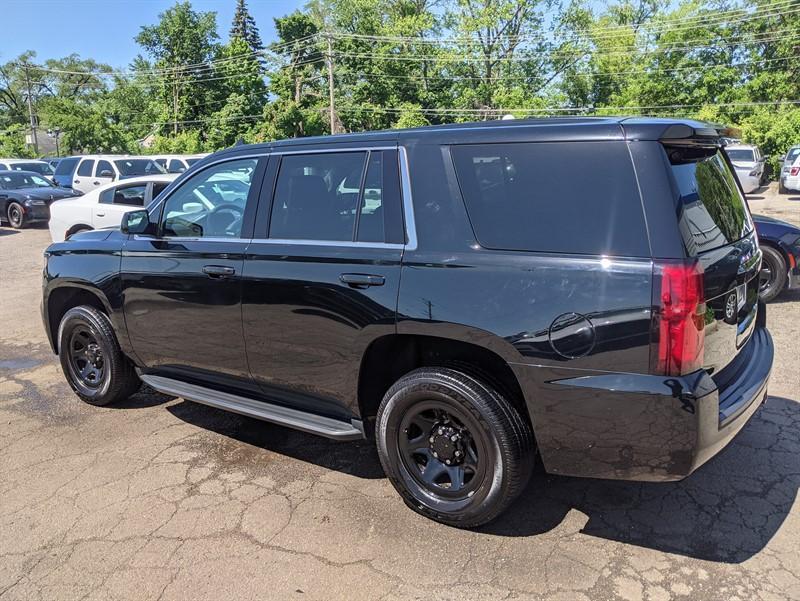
(104,29)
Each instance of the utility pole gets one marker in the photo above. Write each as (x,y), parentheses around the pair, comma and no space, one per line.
(331,108)
(30,111)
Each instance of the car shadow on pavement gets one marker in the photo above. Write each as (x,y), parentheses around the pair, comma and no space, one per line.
(357,458)
(787,296)
(727,511)
(4,231)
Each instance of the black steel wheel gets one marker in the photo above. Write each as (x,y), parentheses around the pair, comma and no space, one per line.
(91,359)
(772,278)
(15,215)
(85,361)
(454,448)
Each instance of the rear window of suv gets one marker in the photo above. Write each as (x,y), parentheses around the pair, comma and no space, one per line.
(65,166)
(711,210)
(560,197)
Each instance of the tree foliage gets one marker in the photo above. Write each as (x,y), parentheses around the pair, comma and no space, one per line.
(404,63)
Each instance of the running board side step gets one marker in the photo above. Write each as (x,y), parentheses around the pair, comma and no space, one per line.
(277,414)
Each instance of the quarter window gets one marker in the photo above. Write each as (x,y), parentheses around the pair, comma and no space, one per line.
(175,166)
(560,197)
(85,168)
(210,204)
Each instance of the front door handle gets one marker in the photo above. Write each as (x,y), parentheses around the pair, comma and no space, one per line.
(362,280)
(100,214)
(96,183)
(218,271)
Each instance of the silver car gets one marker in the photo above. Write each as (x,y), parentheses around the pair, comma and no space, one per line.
(749,165)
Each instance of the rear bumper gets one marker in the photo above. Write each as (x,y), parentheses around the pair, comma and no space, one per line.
(644,427)
(750,183)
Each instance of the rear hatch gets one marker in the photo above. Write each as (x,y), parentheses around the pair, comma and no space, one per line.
(722,247)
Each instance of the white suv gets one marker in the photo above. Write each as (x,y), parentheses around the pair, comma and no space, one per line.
(85,173)
(749,165)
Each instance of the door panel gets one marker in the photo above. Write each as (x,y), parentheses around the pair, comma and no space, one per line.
(305,329)
(314,299)
(182,295)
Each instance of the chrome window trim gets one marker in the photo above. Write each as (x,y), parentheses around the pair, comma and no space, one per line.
(329,150)
(191,239)
(337,243)
(408,203)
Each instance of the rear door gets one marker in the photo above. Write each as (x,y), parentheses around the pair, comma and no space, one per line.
(83,175)
(103,173)
(182,286)
(322,274)
(715,224)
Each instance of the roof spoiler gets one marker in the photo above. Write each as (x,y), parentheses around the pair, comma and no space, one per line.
(674,132)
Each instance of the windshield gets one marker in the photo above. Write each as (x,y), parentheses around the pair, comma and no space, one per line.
(138,167)
(711,210)
(65,166)
(23,179)
(740,155)
(41,168)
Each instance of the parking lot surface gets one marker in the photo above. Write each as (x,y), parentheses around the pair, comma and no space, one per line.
(165,499)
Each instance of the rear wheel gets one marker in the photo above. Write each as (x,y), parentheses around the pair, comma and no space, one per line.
(15,215)
(772,278)
(91,359)
(454,448)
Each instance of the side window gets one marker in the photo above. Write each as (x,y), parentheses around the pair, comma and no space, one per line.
(130,195)
(158,188)
(316,196)
(103,166)
(210,204)
(526,196)
(162,162)
(85,168)
(176,166)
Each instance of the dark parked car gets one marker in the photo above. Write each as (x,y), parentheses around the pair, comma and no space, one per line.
(780,245)
(453,292)
(26,196)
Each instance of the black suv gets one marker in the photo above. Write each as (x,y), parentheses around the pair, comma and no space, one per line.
(472,296)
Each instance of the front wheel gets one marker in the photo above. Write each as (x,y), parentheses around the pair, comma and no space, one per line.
(454,448)
(91,359)
(15,215)
(772,278)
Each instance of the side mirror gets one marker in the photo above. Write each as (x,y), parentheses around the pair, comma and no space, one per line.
(782,158)
(136,222)
(106,173)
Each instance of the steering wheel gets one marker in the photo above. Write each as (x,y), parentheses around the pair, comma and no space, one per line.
(223,217)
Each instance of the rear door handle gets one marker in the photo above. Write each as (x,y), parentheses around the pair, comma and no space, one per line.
(362,280)
(218,271)
(96,183)
(101,214)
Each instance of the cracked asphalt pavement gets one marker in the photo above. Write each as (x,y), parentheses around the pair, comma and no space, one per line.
(165,499)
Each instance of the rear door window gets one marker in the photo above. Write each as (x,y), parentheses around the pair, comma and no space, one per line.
(316,196)
(711,210)
(559,197)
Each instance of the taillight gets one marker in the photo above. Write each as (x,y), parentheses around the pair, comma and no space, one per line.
(794,171)
(680,315)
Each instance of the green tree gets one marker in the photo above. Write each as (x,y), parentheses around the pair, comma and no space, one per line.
(244,27)
(181,45)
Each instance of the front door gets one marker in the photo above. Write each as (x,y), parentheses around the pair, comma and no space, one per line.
(182,286)
(321,278)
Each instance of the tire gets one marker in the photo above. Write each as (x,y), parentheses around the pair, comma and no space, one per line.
(91,359)
(772,279)
(15,215)
(434,415)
